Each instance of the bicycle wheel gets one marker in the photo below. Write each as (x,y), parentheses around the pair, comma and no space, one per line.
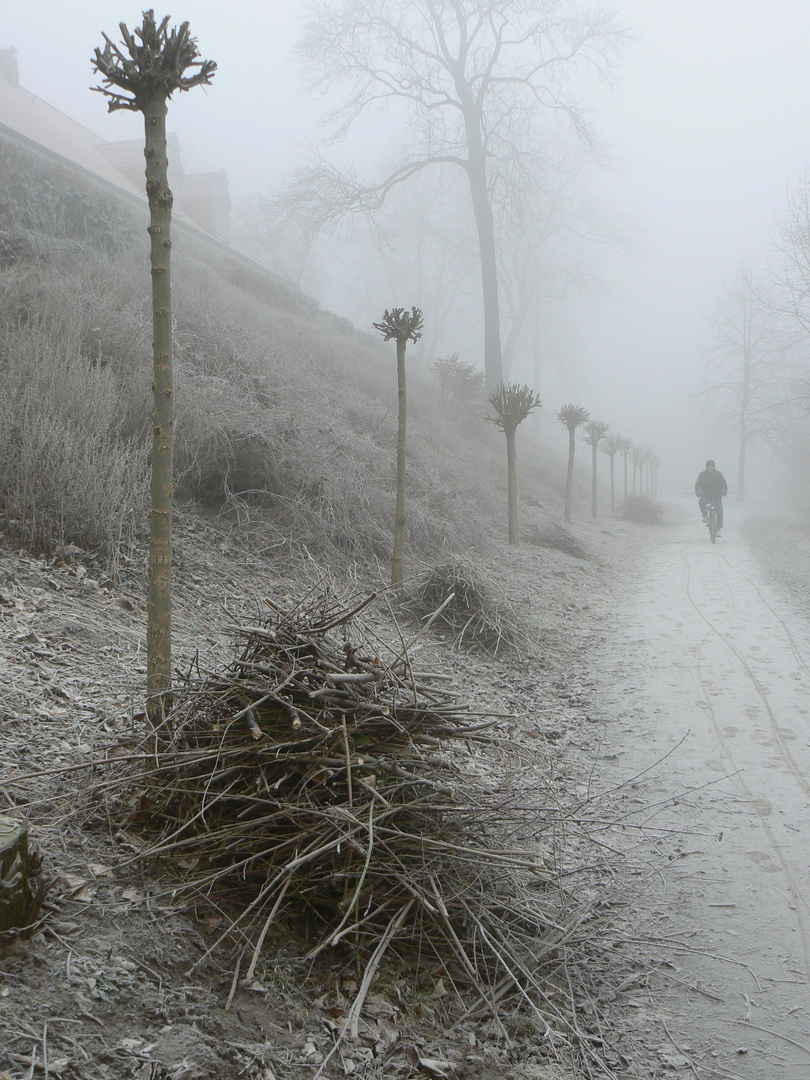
(712,524)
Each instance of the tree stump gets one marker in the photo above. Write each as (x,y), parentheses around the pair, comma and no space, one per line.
(15,892)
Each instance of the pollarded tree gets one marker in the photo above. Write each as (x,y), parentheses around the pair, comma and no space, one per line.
(637,456)
(595,431)
(512,404)
(625,449)
(141,76)
(475,76)
(403,326)
(571,416)
(612,445)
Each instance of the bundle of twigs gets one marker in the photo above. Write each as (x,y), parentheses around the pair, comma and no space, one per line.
(467,607)
(311,777)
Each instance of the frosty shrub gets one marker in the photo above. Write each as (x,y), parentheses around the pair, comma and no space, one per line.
(66,473)
(641,510)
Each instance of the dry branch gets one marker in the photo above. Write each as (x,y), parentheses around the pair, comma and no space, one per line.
(310,781)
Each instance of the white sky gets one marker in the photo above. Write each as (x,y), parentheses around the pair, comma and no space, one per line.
(709,124)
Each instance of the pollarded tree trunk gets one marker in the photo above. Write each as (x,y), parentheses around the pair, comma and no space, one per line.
(404,326)
(612,485)
(159,633)
(511,482)
(594,492)
(399,512)
(141,76)
(569,475)
(741,461)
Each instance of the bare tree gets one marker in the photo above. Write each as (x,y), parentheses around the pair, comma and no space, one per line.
(141,76)
(472,74)
(625,450)
(790,269)
(550,233)
(743,362)
(595,431)
(403,326)
(421,240)
(461,385)
(637,458)
(512,404)
(571,416)
(611,445)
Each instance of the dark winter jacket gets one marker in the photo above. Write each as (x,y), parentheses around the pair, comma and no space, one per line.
(711,484)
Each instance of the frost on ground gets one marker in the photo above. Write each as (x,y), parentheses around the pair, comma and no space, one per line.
(121,979)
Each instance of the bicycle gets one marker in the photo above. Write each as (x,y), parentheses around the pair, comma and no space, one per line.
(711,520)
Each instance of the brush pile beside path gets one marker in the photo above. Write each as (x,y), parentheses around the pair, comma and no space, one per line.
(494,819)
(313,784)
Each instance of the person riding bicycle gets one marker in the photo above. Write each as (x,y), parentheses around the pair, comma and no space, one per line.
(710,486)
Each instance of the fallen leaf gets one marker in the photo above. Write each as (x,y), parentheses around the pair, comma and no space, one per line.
(98,869)
(435,1067)
(133,894)
(77,888)
(185,1070)
(129,1044)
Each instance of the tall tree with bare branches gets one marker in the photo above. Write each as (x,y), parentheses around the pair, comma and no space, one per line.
(403,326)
(744,372)
(595,431)
(474,75)
(512,404)
(571,416)
(141,75)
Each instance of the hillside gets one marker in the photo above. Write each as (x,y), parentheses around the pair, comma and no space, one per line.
(285,440)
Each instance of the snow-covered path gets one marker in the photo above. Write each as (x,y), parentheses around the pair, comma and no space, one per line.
(707,671)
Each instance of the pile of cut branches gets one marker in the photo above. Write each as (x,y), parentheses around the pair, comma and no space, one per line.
(556,537)
(309,777)
(458,600)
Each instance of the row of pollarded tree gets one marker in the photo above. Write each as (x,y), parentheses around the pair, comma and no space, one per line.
(599,437)
(513,403)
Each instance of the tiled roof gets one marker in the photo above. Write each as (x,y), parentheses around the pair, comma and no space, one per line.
(207,185)
(123,155)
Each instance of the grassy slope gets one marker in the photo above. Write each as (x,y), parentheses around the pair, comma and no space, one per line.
(286,429)
(285,414)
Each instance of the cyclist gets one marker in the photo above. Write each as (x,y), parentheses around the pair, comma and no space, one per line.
(710,486)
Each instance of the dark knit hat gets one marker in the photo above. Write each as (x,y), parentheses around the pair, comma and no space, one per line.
(710,462)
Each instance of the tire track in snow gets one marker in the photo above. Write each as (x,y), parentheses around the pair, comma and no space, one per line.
(762,694)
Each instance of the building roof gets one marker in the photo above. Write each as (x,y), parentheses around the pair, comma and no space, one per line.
(123,155)
(119,163)
(213,185)
(34,122)
(33,118)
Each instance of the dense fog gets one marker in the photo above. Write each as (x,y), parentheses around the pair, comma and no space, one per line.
(637,231)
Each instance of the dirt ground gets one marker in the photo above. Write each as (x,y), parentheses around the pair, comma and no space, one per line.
(659,677)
